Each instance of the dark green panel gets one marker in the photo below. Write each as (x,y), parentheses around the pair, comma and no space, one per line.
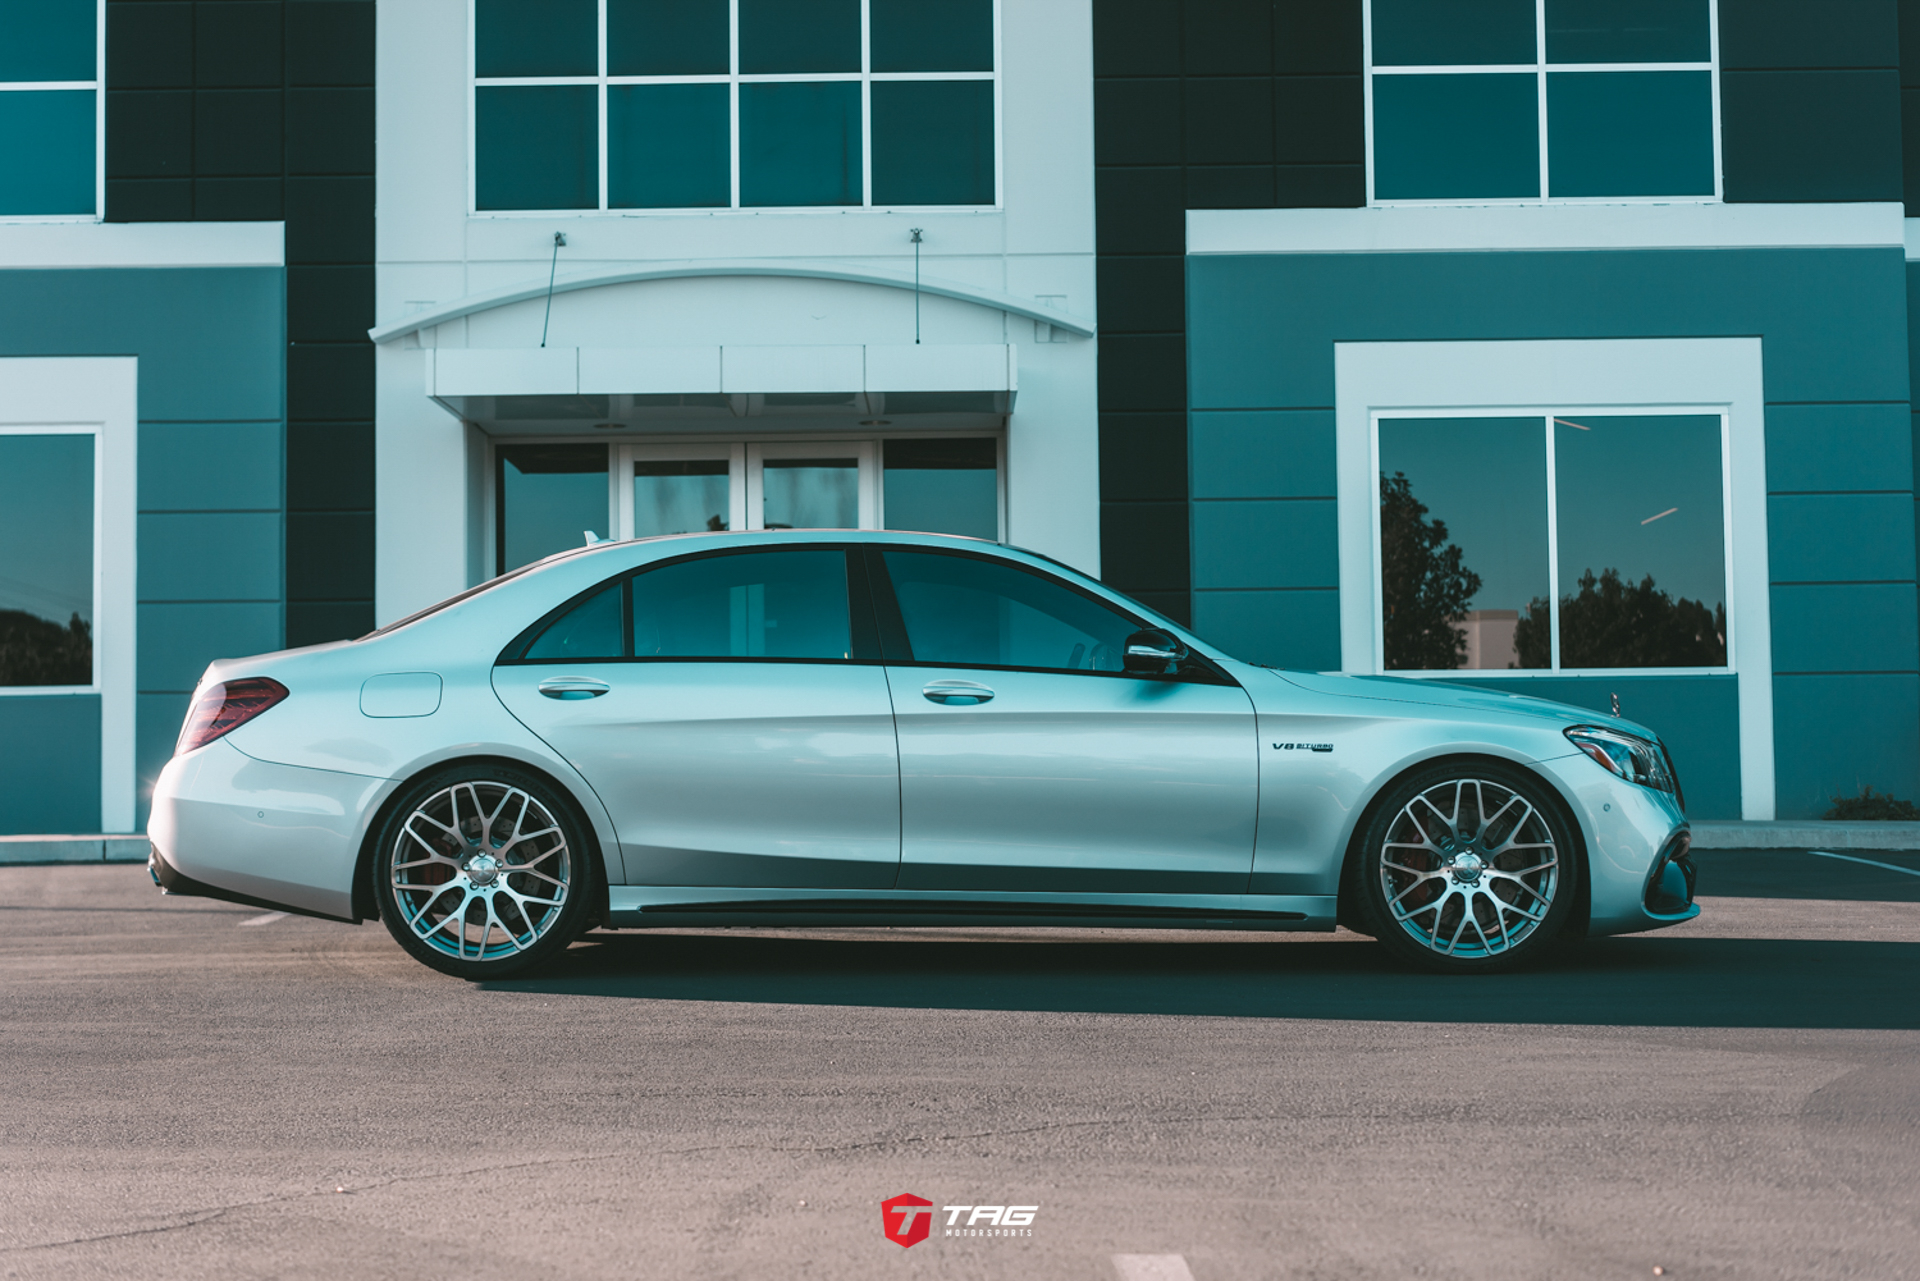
(536,147)
(931,35)
(46,151)
(1630,133)
(933,142)
(1434,33)
(536,38)
(1834,735)
(667,37)
(1802,136)
(799,35)
(667,146)
(1448,137)
(48,40)
(1628,31)
(1809,33)
(800,144)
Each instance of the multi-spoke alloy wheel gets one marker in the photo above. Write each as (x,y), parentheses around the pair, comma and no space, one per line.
(1466,869)
(482,873)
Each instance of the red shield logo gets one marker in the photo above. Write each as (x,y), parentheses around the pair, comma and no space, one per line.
(906,1219)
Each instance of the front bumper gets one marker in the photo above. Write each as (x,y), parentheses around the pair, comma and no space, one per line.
(1632,834)
(228,826)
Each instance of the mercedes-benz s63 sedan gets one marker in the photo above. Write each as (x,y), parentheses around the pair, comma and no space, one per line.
(832,728)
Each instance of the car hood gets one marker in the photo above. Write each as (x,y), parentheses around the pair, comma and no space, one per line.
(1432,693)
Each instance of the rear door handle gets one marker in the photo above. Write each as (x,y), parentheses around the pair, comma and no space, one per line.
(573,687)
(957,693)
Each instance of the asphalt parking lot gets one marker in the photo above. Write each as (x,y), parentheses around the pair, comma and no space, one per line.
(199,1089)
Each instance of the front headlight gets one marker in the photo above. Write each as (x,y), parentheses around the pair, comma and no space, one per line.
(1628,756)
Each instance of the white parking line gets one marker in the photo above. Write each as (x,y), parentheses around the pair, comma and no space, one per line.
(1891,867)
(266,919)
(1152,1267)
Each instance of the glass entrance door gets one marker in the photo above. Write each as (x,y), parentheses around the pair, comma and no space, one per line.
(812,485)
(680,489)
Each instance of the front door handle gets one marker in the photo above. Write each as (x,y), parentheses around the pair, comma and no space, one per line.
(573,687)
(957,693)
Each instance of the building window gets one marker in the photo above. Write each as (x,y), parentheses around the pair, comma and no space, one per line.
(1563,541)
(1531,100)
(549,496)
(731,104)
(48,568)
(50,110)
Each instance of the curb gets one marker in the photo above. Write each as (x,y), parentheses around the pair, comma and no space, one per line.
(15,850)
(1789,834)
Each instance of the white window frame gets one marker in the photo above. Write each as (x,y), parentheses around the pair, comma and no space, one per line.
(94,396)
(1550,414)
(1615,376)
(1539,68)
(94,86)
(734,78)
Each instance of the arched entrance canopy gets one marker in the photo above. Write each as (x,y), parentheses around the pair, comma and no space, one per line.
(489,299)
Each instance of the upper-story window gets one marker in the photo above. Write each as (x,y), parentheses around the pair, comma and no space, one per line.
(732,104)
(1532,100)
(50,54)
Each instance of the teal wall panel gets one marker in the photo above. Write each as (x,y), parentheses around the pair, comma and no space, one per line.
(1840,537)
(211,466)
(1834,448)
(1297,629)
(1834,735)
(177,641)
(1698,717)
(1845,627)
(1267,454)
(1841,466)
(210,340)
(158,718)
(1285,543)
(210,556)
(1261,327)
(49,763)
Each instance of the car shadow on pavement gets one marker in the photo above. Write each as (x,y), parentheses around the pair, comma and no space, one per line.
(1646,981)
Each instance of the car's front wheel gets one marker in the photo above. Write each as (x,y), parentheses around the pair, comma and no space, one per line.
(1467,867)
(484,871)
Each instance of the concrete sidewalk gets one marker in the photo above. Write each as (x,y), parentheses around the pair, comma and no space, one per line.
(1708,834)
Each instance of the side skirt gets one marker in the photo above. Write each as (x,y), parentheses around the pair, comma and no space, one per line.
(657,907)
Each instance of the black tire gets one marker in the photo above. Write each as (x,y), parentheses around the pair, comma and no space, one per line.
(484,871)
(1469,867)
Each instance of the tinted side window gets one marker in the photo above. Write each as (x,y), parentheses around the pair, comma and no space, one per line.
(590,629)
(777,604)
(979,613)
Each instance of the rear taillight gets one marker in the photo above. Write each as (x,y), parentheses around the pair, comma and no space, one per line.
(220,709)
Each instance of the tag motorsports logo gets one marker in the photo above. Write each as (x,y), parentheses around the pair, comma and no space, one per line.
(908,1219)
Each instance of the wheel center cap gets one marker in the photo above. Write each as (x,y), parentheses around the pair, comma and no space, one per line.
(1466,868)
(481,869)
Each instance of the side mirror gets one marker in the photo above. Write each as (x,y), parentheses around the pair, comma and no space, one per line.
(1153,652)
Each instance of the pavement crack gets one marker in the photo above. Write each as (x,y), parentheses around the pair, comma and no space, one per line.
(204,1216)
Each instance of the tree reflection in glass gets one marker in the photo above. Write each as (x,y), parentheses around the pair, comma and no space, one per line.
(1463,540)
(46,558)
(1641,544)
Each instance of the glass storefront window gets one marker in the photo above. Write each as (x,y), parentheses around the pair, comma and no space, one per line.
(942,486)
(1480,100)
(46,558)
(1565,541)
(811,493)
(764,104)
(548,497)
(676,496)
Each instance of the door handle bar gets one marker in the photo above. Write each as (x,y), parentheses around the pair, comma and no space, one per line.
(573,687)
(957,693)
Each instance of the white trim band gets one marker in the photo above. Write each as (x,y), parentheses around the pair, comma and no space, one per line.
(1467,228)
(1031,308)
(142,244)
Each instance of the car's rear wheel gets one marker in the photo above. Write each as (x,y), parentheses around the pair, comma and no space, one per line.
(484,871)
(1468,867)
